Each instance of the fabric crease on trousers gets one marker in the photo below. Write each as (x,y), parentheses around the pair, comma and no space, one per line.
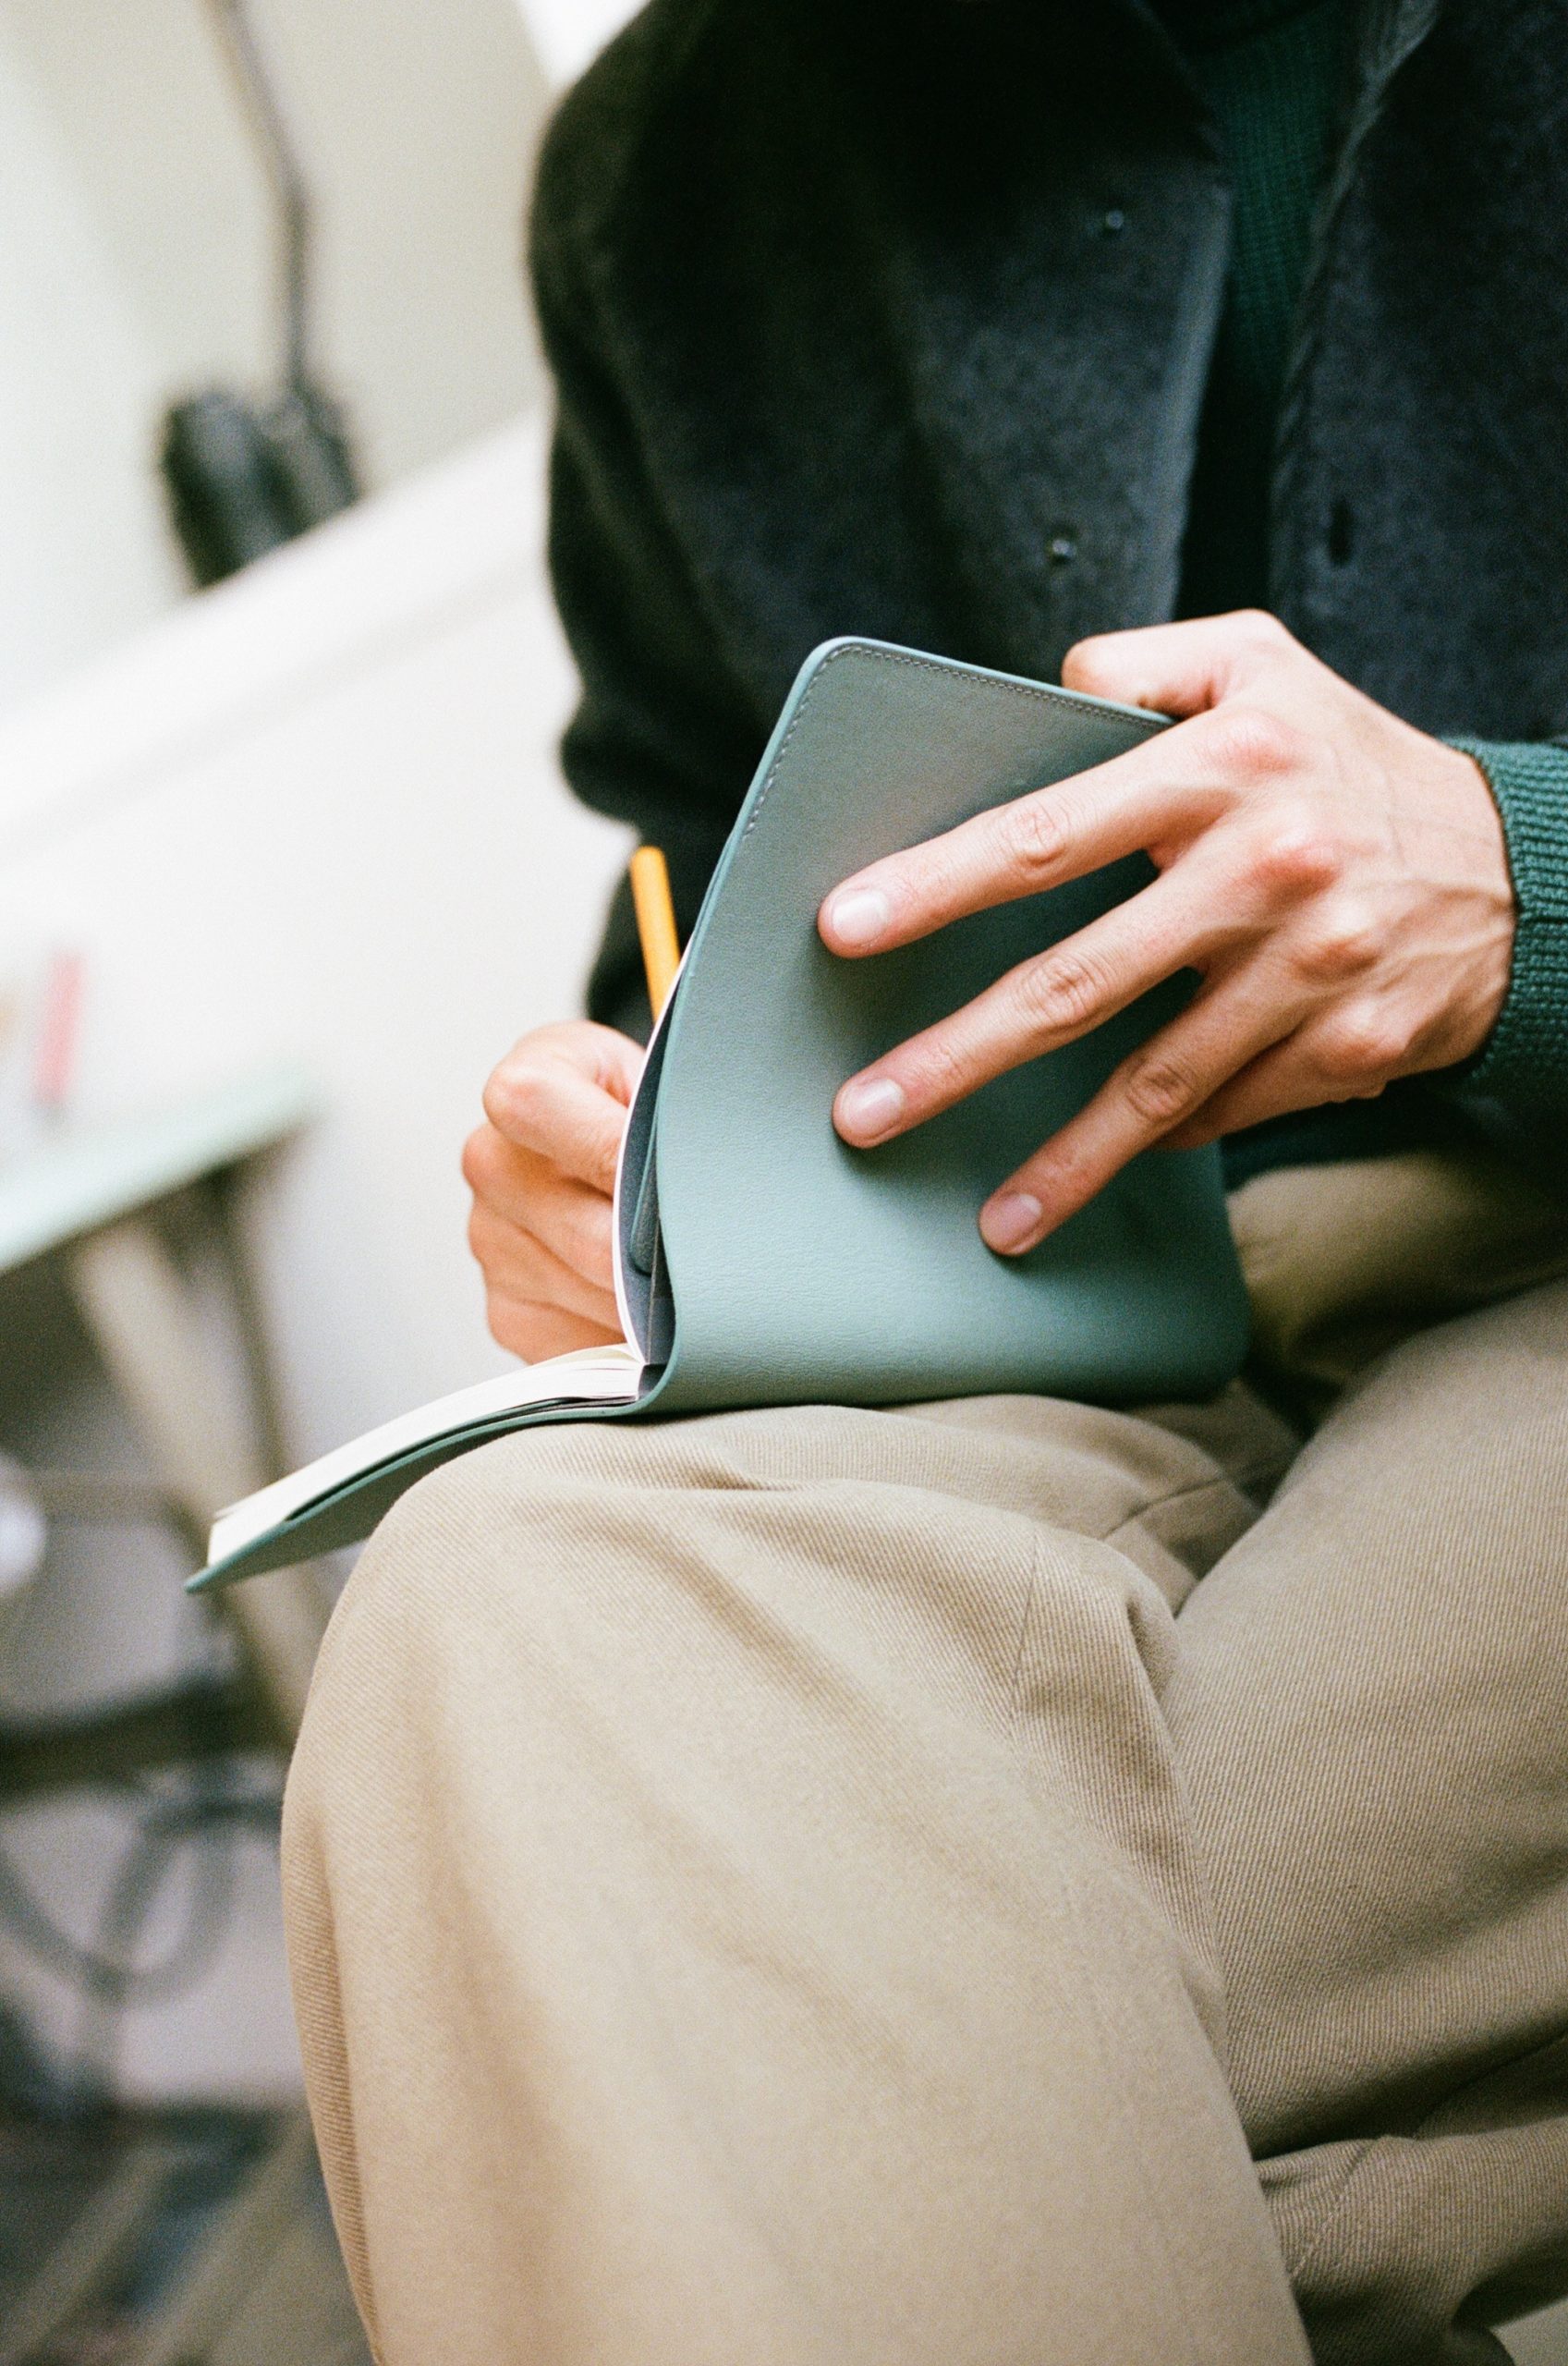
(999,1880)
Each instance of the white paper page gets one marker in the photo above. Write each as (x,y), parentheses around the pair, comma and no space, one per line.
(608,1375)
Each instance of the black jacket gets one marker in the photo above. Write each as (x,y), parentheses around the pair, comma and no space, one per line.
(896,317)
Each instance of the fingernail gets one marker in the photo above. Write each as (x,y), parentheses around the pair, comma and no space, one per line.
(1011,1221)
(869,1107)
(859,916)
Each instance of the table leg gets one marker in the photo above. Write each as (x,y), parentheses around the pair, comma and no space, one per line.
(138,1311)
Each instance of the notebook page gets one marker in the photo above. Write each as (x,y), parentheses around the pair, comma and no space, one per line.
(608,1375)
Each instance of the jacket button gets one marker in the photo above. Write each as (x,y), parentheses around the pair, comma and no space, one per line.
(1111,222)
(1064,548)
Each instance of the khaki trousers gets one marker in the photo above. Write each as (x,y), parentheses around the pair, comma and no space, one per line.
(999,1882)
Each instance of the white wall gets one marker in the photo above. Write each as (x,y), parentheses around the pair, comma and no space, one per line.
(418,126)
(136,265)
(315,814)
(82,556)
(567,33)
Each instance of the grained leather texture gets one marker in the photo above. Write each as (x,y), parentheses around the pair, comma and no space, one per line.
(802,1270)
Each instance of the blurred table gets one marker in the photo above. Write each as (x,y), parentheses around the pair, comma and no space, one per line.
(91,1199)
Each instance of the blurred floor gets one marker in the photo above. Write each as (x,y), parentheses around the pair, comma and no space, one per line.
(172,2238)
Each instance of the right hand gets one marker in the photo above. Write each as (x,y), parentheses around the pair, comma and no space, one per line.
(541,1169)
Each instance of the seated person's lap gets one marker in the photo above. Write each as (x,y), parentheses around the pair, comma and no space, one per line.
(887,1747)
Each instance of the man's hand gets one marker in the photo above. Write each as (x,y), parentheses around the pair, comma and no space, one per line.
(1338,880)
(542,1170)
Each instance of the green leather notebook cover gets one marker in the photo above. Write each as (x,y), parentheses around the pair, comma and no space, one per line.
(763,1261)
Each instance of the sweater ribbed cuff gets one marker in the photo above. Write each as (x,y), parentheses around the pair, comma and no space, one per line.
(1524,1067)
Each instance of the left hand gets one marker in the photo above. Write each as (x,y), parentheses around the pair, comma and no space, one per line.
(1338,880)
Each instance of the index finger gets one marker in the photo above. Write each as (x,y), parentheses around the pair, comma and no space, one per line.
(547,1107)
(1035,841)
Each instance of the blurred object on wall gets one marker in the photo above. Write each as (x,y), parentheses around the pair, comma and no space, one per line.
(245,477)
(242,480)
(41,1004)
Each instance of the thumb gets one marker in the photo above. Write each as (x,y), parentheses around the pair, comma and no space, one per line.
(1177,669)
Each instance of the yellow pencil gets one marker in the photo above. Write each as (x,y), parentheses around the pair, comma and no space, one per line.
(655,923)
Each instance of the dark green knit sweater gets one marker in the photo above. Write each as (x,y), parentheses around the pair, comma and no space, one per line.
(1274,73)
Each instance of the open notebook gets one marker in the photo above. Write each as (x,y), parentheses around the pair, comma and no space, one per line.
(760,1260)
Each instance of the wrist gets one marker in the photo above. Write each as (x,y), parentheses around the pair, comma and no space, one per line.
(1473,857)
